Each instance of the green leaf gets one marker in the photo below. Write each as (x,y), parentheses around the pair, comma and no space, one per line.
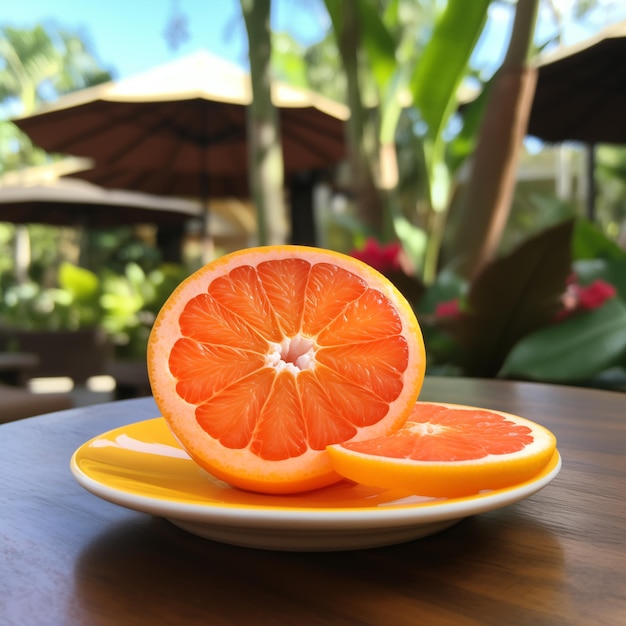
(589,243)
(611,271)
(413,238)
(574,350)
(513,296)
(464,143)
(378,43)
(447,286)
(83,284)
(288,62)
(335,13)
(391,107)
(438,74)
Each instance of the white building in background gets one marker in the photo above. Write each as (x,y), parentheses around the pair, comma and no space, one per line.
(561,169)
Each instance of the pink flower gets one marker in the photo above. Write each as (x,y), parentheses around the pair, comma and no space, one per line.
(384,258)
(578,298)
(595,295)
(449,309)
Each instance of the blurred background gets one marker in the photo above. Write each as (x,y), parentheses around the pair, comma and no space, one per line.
(475,153)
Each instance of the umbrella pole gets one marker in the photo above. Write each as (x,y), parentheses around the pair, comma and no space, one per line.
(207,248)
(590,151)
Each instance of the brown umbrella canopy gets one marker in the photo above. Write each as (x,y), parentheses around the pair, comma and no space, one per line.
(181,129)
(39,195)
(168,182)
(78,203)
(581,91)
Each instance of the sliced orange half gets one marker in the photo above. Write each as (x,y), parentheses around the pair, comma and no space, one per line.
(446,450)
(264,357)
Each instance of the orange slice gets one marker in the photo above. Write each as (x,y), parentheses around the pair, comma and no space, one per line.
(447,450)
(264,357)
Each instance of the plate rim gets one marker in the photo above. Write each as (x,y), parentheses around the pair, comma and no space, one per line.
(266,516)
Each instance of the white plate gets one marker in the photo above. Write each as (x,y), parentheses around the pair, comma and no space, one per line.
(141,467)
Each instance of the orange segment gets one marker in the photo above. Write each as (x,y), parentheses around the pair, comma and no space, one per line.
(447,450)
(203,370)
(263,358)
(330,289)
(284,282)
(241,291)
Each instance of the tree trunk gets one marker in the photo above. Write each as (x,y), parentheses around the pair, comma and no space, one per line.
(266,170)
(486,200)
(368,198)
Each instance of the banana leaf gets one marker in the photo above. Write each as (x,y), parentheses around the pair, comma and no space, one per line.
(486,199)
(445,59)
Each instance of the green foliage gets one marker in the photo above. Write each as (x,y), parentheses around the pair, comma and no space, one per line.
(447,286)
(434,85)
(83,292)
(71,303)
(124,305)
(38,64)
(408,79)
(610,204)
(131,301)
(378,44)
(532,212)
(512,297)
(463,144)
(444,62)
(385,73)
(82,284)
(573,351)
(444,354)
(16,149)
(590,243)
(612,271)
(288,60)
(28,306)
(587,345)
(506,321)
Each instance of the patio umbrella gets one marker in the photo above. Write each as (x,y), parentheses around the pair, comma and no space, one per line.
(70,202)
(581,91)
(180,129)
(42,195)
(581,96)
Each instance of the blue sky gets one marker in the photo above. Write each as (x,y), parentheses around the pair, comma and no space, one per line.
(127,36)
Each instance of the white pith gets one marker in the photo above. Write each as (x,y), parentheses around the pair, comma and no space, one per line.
(292,354)
(426,428)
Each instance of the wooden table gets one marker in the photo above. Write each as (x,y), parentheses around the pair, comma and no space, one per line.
(559,557)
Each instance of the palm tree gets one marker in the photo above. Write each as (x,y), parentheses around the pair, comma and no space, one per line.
(39,65)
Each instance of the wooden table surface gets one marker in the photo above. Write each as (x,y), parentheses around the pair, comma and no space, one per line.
(559,557)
